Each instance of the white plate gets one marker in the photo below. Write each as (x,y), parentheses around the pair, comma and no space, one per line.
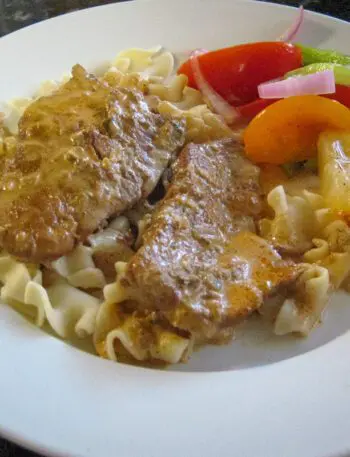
(250,399)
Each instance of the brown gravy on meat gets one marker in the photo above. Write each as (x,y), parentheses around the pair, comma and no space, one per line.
(200,267)
(84,154)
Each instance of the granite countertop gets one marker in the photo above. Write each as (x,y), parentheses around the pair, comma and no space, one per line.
(15,14)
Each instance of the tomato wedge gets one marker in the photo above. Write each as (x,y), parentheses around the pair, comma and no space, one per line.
(288,130)
(342,95)
(236,72)
(252,109)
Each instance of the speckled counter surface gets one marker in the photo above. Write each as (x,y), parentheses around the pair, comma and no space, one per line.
(15,14)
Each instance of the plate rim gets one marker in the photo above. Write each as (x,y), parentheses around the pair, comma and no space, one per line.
(133,2)
(41,447)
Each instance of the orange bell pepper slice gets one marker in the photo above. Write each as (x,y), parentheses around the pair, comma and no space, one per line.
(288,130)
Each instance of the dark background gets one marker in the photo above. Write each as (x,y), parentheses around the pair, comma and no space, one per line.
(15,14)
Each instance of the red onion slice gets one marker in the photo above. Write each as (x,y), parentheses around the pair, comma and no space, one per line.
(218,104)
(320,83)
(292,31)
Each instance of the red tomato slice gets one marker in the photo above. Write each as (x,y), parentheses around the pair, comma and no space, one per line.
(342,95)
(252,109)
(236,72)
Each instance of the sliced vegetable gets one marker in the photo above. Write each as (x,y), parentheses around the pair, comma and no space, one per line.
(314,55)
(217,103)
(288,130)
(250,110)
(198,52)
(293,30)
(341,73)
(319,83)
(235,73)
(334,169)
(342,95)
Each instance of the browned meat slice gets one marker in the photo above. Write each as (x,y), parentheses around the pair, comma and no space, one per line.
(201,266)
(85,153)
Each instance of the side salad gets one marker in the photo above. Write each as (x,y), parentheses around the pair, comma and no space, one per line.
(294,99)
